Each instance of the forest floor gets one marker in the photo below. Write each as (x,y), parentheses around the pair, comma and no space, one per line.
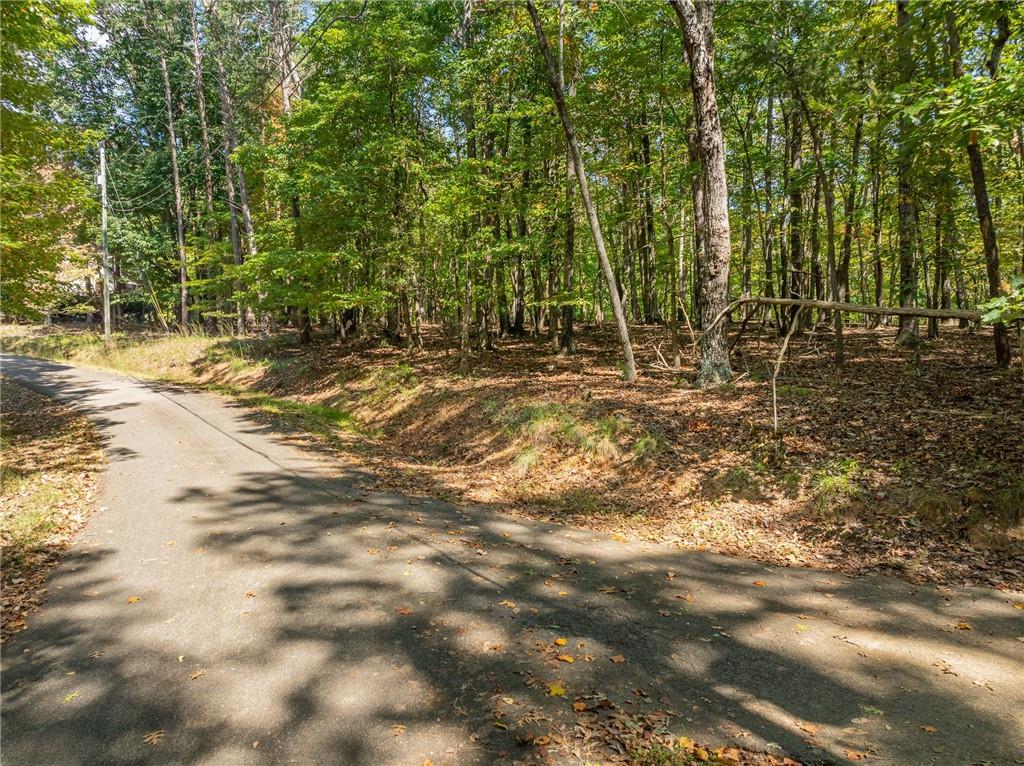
(50,471)
(902,462)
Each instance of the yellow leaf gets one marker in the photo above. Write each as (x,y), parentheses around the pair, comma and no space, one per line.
(1018,605)
(556,689)
(70,697)
(566,658)
(132,600)
(686,743)
(760,583)
(929,729)
(509,603)
(617,658)
(579,706)
(560,642)
(964,626)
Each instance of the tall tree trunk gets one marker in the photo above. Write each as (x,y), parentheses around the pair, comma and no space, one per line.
(826,179)
(796,210)
(588,205)
(566,343)
(695,19)
(197,60)
(769,211)
(978,180)
(849,208)
(291,88)
(907,265)
(876,226)
(700,244)
(178,212)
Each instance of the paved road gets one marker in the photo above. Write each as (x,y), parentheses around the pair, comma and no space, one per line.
(285,615)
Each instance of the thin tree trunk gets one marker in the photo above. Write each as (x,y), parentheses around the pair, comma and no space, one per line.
(907,265)
(979,182)
(197,59)
(178,213)
(849,210)
(588,205)
(566,343)
(876,226)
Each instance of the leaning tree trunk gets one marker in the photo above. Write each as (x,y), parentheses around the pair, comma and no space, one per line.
(588,205)
(695,19)
(179,217)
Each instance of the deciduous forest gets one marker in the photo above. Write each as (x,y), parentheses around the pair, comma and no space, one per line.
(347,168)
(741,278)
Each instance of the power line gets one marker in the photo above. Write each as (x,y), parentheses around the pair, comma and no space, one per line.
(126,202)
(358,17)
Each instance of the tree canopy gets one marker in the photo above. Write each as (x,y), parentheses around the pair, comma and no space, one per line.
(378,166)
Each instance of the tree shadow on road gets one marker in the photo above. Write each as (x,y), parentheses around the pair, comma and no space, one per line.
(387,629)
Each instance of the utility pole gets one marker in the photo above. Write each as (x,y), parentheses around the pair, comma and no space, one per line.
(106,256)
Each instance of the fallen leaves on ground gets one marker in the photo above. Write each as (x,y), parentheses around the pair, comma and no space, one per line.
(51,466)
(556,689)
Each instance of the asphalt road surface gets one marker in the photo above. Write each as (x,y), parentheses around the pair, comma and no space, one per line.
(236,600)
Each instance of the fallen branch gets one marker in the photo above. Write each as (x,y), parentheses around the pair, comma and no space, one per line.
(856,308)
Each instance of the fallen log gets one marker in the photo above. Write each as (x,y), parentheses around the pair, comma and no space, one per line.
(856,308)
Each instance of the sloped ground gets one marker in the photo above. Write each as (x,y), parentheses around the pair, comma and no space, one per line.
(237,601)
(904,463)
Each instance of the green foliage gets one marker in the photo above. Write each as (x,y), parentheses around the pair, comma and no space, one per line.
(42,196)
(423,169)
(1005,308)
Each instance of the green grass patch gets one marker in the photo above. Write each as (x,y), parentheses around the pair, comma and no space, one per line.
(836,485)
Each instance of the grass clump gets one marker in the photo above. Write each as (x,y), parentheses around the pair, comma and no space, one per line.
(388,383)
(836,485)
(542,424)
(525,461)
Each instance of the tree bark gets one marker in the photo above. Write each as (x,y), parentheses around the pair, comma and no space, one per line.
(849,205)
(178,213)
(566,343)
(204,133)
(978,181)
(588,205)
(695,19)
(907,265)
